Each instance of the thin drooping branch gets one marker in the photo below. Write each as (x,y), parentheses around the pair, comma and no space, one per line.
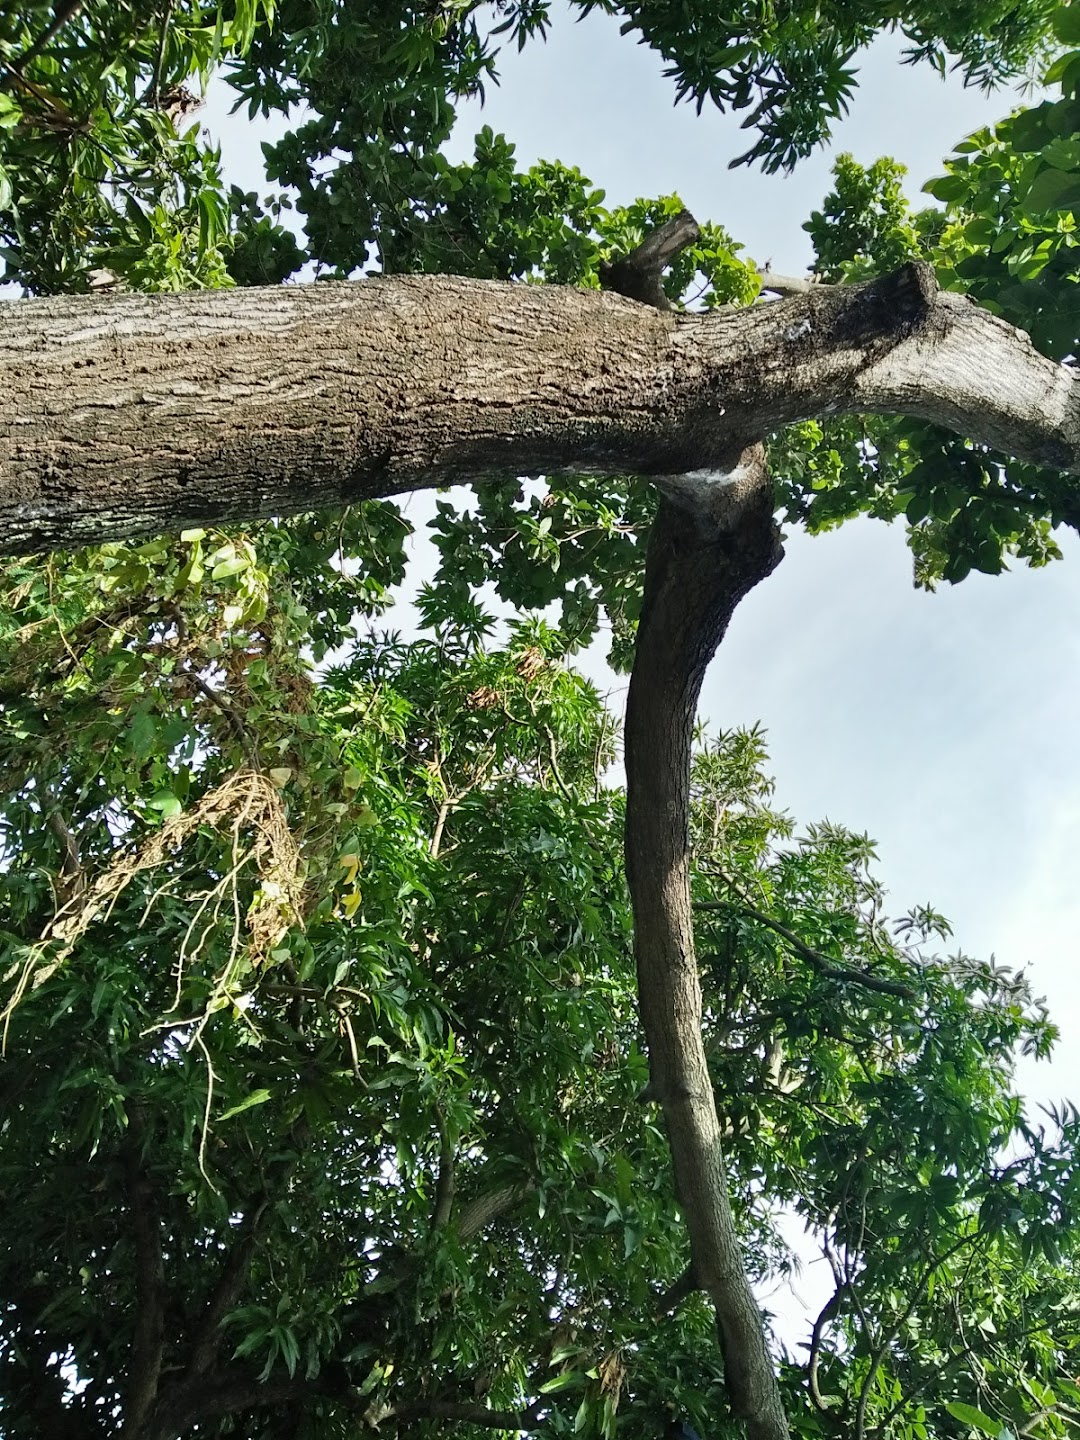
(134,414)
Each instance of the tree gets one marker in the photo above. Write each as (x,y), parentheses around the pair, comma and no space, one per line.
(221,801)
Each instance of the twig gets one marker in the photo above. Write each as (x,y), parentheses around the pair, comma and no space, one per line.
(63,14)
(236,724)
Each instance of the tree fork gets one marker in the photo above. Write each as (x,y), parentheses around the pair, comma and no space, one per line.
(713,539)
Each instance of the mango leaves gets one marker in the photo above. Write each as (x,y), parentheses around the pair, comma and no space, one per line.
(324,977)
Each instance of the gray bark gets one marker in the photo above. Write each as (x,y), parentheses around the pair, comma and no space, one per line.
(129,415)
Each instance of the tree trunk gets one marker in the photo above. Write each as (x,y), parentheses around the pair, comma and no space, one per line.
(130,415)
(705,553)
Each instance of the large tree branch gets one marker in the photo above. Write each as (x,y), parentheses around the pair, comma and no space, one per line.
(479,1212)
(132,414)
(228,1392)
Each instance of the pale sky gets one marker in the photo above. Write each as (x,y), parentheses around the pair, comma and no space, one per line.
(943,725)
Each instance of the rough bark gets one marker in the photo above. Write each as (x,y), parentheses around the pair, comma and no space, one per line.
(129,415)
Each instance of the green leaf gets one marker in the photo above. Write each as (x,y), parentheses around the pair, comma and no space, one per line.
(568,1380)
(232,566)
(165,802)
(1052,190)
(976,1419)
(1066,24)
(256,1097)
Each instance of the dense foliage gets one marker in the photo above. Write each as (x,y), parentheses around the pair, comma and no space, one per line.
(321,1026)
(321,1098)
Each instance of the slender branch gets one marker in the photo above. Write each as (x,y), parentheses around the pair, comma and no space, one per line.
(827,1313)
(159,63)
(70,885)
(878,1352)
(56,112)
(444,1184)
(148,1347)
(236,723)
(820,963)
(226,1293)
(710,544)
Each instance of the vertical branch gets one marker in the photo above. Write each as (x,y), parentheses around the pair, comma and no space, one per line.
(444,1184)
(702,560)
(148,1346)
(711,542)
(226,1293)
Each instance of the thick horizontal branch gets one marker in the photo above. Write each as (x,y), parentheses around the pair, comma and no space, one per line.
(128,415)
(481,1211)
